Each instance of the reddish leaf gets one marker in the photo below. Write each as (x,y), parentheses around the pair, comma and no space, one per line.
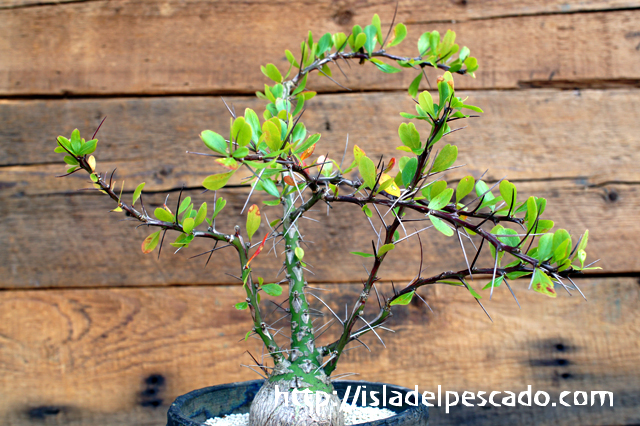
(258,250)
(391,165)
(307,152)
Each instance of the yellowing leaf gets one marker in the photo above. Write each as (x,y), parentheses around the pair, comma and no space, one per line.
(543,284)
(92,163)
(391,188)
(253,220)
(228,163)
(358,153)
(150,242)
(386,248)
(214,182)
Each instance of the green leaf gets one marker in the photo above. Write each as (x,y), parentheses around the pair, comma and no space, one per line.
(464,188)
(424,43)
(252,118)
(415,86)
(184,205)
(325,43)
(473,292)
(241,131)
(183,240)
(441,200)
(386,68)
(272,72)
(217,181)
(359,253)
(517,274)
(272,289)
(241,152)
(270,187)
(482,189)
(271,134)
(545,247)
(512,240)
(472,64)
(425,100)
(271,203)
(405,299)
(163,215)
(409,171)
(367,171)
(495,283)
(375,21)
(472,108)
(399,34)
(360,40)
(214,141)
(583,243)
(385,248)
(150,242)
(441,226)
(367,211)
(188,225)
(434,188)
(253,220)
(76,141)
(220,203)
(94,178)
(202,213)
(532,211)
(409,135)
(137,193)
(509,193)
(299,253)
(89,147)
(445,159)
(70,160)
(242,306)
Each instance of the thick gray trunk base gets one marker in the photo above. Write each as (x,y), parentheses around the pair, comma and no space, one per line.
(271,409)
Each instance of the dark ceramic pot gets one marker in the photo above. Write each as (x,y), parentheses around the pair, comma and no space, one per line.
(194,408)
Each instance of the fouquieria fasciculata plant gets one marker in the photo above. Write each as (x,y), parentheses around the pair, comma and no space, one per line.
(275,156)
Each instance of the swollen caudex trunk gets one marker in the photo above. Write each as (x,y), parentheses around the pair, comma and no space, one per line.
(290,401)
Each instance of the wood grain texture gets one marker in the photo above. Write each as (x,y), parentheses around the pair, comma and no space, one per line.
(136,47)
(470,9)
(72,240)
(120,356)
(586,135)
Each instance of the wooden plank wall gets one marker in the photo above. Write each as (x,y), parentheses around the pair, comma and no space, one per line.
(92,332)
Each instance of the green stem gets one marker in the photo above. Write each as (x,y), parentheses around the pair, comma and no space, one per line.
(304,357)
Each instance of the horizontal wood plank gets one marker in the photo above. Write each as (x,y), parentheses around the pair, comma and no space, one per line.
(407,10)
(586,135)
(72,240)
(135,47)
(120,356)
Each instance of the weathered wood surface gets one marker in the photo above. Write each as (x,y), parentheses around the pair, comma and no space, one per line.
(408,9)
(72,240)
(141,47)
(587,135)
(120,356)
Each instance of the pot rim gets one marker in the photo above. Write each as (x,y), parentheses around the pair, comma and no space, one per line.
(406,414)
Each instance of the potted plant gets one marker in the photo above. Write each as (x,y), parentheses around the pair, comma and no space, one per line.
(276,157)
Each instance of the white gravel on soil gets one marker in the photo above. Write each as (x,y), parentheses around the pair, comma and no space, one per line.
(352,416)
